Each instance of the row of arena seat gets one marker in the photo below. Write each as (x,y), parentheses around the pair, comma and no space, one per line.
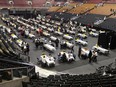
(90,18)
(7,51)
(64,16)
(67,80)
(67,7)
(22,3)
(11,63)
(54,8)
(82,8)
(4,65)
(6,54)
(57,8)
(105,9)
(109,24)
(97,1)
(10,69)
(103,77)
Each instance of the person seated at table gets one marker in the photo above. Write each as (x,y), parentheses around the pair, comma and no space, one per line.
(50,56)
(94,56)
(25,49)
(63,57)
(22,32)
(63,44)
(84,55)
(26,33)
(35,39)
(36,44)
(59,56)
(43,55)
(72,54)
(50,42)
(40,31)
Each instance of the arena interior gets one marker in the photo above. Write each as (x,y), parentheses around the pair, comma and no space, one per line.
(57,43)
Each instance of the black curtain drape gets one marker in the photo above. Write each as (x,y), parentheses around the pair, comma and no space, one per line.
(103,40)
(113,42)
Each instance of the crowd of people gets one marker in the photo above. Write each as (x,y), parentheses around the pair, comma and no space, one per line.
(24,31)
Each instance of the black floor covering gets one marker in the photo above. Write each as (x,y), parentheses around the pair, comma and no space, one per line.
(34,53)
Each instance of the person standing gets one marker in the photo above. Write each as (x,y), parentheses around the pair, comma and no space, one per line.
(25,49)
(28,48)
(90,56)
(63,57)
(57,43)
(94,56)
(36,44)
(79,51)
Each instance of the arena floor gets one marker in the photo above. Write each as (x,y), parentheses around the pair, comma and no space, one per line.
(79,66)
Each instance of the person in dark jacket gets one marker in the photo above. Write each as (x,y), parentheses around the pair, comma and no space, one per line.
(36,44)
(90,56)
(28,48)
(64,57)
(79,51)
(57,42)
